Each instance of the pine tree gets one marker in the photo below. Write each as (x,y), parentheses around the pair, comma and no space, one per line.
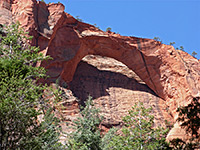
(87,133)
(138,132)
(21,98)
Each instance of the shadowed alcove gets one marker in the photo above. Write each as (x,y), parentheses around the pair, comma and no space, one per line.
(114,87)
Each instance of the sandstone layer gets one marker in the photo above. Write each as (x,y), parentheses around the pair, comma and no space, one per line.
(173,75)
(115,89)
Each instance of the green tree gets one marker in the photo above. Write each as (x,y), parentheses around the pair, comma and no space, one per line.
(194,54)
(105,141)
(181,48)
(189,118)
(78,18)
(138,132)
(22,100)
(158,39)
(172,43)
(96,26)
(108,29)
(87,133)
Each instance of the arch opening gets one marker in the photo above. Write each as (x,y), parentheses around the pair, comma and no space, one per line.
(97,73)
(114,87)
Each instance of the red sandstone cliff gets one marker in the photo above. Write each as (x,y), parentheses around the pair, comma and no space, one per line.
(173,75)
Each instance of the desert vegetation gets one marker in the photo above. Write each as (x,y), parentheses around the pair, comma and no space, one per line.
(28,121)
(21,99)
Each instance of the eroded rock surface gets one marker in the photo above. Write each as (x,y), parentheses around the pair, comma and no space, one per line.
(115,89)
(173,75)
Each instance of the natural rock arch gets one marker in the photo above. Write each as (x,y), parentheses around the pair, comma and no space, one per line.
(160,66)
(107,73)
(173,75)
(168,72)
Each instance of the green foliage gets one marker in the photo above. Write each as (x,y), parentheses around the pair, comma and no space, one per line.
(105,141)
(108,29)
(87,133)
(172,43)
(189,118)
(158,39)
(78,18)
(194,54)
(21,99)
(49,132)
(182,48)
(138,132)
(96,26)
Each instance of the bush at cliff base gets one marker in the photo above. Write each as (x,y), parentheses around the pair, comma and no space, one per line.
(138,131)
(21,99)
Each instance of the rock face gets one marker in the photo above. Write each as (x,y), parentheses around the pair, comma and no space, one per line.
(172,75)
(115,89)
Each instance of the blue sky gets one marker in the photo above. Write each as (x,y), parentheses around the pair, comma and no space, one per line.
(170,20)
